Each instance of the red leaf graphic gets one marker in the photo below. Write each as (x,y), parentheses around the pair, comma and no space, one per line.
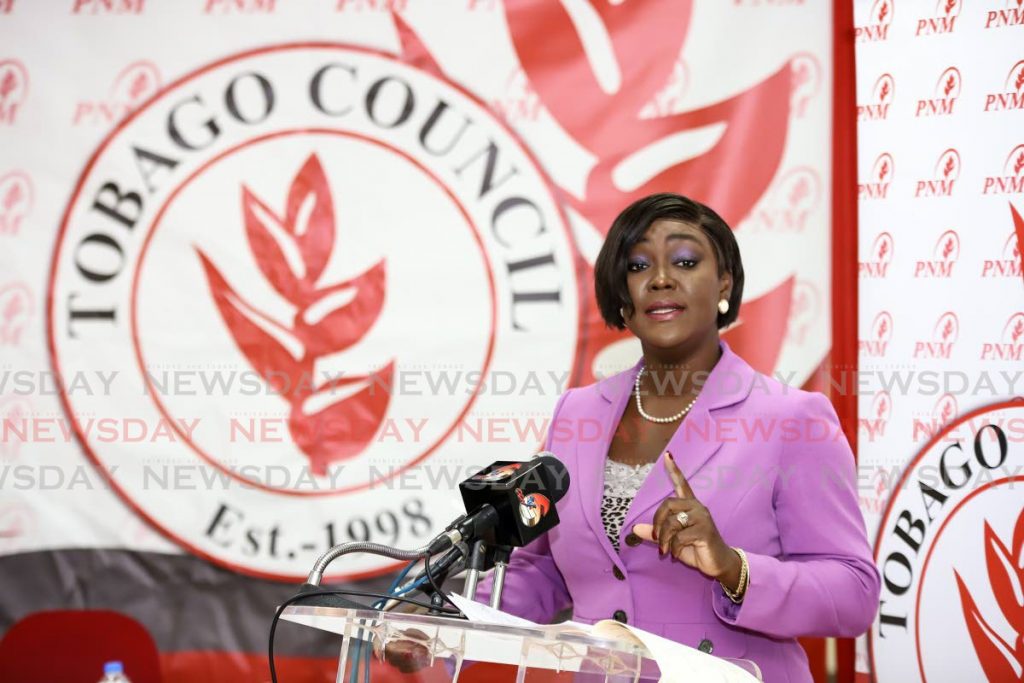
(883,249)
(995,655)
(883,327)
(1019,164)
(950,84)
(138,86)
(645,47)
(1007,576)
(947,329)
(1018,540)
(344,326)
(1018,226)
(310,216)
(883,91)
(1020,79)
(950,4)
(883,11)
(345,428)
(881,408)
(292,252)
(948,168)
(8,84)
(266,355)
(947,248)
(12,197)
(883,170)
(756,119)
(268,251)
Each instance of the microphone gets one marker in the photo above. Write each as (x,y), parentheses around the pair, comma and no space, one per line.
(509,503)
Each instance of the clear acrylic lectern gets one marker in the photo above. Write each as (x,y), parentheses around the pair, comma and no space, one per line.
(459,643)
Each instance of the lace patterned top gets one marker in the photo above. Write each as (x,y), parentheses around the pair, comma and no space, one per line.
(621,482)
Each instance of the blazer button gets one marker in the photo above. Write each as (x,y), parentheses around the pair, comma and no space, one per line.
(632,540)
(617,573)
(619,616)
(706,646)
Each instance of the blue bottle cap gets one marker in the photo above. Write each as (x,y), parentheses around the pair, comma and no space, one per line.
(113,668)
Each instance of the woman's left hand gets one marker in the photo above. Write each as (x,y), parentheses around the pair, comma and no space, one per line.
(696,545)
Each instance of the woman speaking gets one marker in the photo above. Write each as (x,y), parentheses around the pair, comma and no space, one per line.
(717,507)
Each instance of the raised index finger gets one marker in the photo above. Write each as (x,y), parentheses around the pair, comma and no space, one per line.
(679,482)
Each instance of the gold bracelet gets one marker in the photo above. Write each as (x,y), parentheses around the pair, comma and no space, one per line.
(741,588)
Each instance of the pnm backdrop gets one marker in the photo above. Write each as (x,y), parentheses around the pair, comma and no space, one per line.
(940,93)
(228,225)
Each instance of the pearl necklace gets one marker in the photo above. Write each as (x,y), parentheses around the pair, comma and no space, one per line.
(651,418)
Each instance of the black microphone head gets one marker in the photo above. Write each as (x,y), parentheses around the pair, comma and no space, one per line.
(522,496)
(559,485)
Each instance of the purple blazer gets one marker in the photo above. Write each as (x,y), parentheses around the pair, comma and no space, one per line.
(774,469)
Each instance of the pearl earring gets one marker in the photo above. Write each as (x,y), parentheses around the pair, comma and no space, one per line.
(723,306)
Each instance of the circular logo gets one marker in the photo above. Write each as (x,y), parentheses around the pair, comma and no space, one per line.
(304,265)
(949,549)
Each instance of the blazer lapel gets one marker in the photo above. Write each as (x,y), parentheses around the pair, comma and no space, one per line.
(694,442)
(592,453)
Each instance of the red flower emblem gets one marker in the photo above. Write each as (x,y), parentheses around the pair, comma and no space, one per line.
(291,252)
(1000,660)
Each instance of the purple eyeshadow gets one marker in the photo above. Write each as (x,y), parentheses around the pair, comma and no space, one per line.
(684,255)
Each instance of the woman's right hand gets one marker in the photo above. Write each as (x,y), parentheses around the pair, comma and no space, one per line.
(405,655)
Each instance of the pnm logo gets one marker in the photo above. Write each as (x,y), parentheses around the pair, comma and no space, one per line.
(1012,15)
(880,336)
(386,6)
(881,99)
(1010,265)
(1011,342)
(1000,660)
(806,82)
(877,27)
(16,199)
(15,309)
(877,418)
(1012,179)
(518,102)
(944,336)
(239,7)
(881,175)
(945,174)
(805,312)
(945,411)
(130,88)
(880,258)
(1012,96)
(792,202)
(669,100)
(13,89)
(944,257)
(943,21)
(108,7)
(292,251)
(947,90)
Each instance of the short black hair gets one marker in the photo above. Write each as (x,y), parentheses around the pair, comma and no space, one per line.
(629,227)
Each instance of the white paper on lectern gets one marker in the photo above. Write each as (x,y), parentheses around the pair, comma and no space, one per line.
(477,611)
(678,663)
